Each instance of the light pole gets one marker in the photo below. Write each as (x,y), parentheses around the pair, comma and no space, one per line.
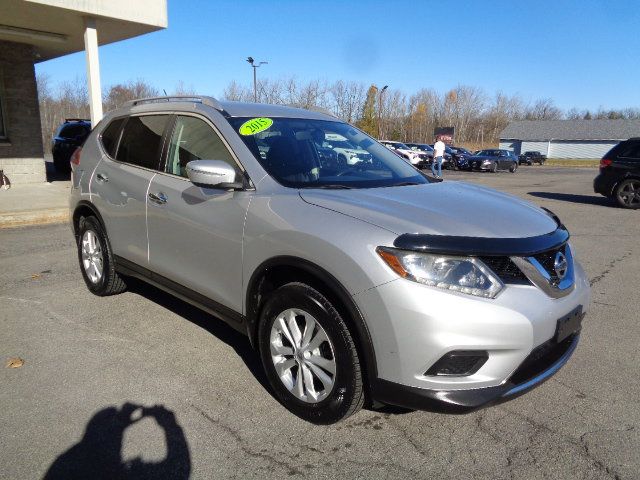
(380,111)
(255,65)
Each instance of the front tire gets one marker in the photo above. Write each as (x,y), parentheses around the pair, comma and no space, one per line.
(309,355)
(513,168)
(96,259)
(494,167)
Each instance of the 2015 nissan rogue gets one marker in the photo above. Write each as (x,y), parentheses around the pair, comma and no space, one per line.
(354,280)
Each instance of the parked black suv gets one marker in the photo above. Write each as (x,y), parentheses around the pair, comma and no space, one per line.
(619,176)
(69,136)
(532,157)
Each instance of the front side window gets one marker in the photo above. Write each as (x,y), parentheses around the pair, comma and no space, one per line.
(300,153)
(194,139)
(141,141)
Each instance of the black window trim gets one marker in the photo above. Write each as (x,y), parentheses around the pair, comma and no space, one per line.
(208,121)
(127,117)
(119,136)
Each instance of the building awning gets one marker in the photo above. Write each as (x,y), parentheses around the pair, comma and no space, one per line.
(56,27)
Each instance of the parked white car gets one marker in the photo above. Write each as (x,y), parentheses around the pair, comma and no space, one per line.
(405,152)
(347,152)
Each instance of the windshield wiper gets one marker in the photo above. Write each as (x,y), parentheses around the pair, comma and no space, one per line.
(405,184)
(331,186)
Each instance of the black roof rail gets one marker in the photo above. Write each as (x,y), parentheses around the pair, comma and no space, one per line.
(77,120)
(210,101)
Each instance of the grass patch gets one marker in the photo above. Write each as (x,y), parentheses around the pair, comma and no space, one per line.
(573,162)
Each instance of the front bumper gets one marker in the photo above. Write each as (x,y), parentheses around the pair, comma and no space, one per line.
(413,326)
(524,379)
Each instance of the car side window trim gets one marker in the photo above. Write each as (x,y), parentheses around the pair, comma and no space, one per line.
(124,125)
(120,130)
(161,169)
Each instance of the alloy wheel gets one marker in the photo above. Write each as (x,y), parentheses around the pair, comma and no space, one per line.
(303,355)
(629,194)
(92,259)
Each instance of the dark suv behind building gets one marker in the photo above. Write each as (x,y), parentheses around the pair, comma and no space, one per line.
(69,136)
(619,176)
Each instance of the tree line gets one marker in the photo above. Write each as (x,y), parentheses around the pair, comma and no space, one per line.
(478,117)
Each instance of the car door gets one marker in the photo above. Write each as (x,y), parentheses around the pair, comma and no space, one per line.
(195,233)
(120,181)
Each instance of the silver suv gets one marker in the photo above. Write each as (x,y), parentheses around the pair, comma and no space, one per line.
(355,282)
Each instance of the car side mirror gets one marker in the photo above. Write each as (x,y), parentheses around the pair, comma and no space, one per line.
(212,174)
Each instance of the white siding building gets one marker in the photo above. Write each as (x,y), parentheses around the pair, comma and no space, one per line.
(567,138)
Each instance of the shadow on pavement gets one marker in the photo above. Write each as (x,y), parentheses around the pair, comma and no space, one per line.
(574,198)
(98,455)
(218,328)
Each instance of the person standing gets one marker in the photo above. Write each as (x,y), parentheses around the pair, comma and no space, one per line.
(438,154)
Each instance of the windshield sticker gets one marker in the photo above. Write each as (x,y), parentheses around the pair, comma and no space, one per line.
(255,125)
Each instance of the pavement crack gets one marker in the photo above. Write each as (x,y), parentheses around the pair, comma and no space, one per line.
(610,266)
(291,470)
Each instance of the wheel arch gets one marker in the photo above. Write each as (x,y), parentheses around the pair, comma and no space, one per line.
(627,176)
(83,209)
(280,270)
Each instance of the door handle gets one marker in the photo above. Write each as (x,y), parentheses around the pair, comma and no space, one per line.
(158,198)
(102,178)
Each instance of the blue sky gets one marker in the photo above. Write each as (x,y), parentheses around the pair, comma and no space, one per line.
(581,53)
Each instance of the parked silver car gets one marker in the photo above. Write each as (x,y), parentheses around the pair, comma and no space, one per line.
(364,282)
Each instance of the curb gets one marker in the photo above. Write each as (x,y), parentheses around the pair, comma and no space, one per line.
(39,217)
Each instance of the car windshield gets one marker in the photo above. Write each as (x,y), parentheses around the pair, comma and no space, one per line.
(488,153)
(297,153)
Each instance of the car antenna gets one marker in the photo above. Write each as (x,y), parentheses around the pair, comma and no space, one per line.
(165,92)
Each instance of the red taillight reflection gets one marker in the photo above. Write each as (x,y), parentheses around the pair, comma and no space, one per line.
(605,162)
(75,158)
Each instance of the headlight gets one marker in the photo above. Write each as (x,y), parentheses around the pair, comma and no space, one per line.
(461,274)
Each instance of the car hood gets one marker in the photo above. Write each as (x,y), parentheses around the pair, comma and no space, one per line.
(445,208)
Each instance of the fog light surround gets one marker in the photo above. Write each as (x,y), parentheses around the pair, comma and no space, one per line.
(458,363)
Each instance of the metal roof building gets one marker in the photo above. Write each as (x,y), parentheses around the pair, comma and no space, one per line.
(567,138)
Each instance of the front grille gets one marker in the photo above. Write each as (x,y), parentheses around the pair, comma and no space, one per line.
(547,260)
(504,268)
(540,359)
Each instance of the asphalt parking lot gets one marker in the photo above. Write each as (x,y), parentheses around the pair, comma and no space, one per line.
(88,358)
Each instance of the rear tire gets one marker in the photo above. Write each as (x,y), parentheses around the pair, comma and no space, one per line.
(627,194)
(96,259)
(309,355)
(513,168)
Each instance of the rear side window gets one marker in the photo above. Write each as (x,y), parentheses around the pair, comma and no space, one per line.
(141,139)
(630,150)
(110,136)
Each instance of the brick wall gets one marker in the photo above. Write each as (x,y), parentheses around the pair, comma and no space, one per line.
(21,155)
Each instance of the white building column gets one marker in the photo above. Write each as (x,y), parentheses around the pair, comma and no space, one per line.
(93,69)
